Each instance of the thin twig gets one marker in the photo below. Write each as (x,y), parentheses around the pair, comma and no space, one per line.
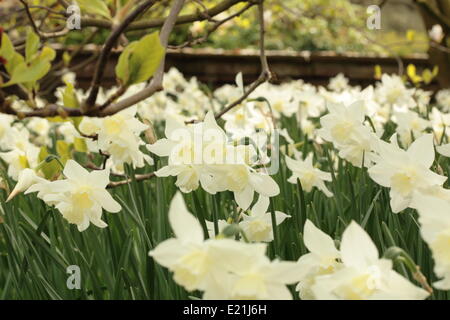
(139,25)
(30,17)
(216,25)
(156,82)
(109,44)
(265,75)
(138,177)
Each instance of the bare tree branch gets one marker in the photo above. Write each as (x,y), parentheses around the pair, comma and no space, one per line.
(109,44)
(265,75)
(137,177)
(434,13)
(213,28)
(138,25)
(30,17)
(156,83)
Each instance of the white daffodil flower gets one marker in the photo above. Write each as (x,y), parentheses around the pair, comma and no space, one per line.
(405,171)
(322,259)
(27,177)
(257,225)
(80,197)
(363,275)
(308,175)
(434,220)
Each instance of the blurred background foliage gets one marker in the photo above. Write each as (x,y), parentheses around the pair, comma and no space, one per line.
(314,25)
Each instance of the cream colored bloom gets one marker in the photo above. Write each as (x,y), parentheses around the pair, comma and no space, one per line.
(363,275)
(434,219)
(257,225)
(323,258)
(308,175)
(405,171)
(80,197)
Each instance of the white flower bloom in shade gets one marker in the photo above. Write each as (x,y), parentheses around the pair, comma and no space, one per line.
(21,152)
(200,154)
(19,160)
(405,171)
(242,179)
(80,197)
(434,219)
(322,259)
(410,124)
(392,91)
(341,121)
(359,147)
(252,276)
(222,268)
(440,123)
(222,224)
(436,33)
(443,99)
(27,177)
(309,175)
(338,83)
(195,263)
(118,136)
(364,276)
(257,225)
(41,127)
(444,150)
(5,125)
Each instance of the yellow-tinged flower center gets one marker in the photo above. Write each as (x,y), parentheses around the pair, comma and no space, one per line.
(250,286)
(403,182)
(308,179)
(114,124)
(441,248)
(394,94)
(82,198)
(342,130)
(192,267)
(258,230)
(361,286)
(278,106)
(238,178)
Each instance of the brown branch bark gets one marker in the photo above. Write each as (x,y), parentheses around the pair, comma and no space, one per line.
(265,75)
(138,177)
(138,25)
(156,82)
(215,26)
(109,44)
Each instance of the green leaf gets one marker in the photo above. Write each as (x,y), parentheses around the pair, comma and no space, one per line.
(63,149)
(122,67)
(25,74)
(70,99)
(49,169)
(34,70)
(13,59)
(31,45)
(79,145)
(95,7)
(140,60)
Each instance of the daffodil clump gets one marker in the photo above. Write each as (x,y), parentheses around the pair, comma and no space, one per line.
(298,191)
